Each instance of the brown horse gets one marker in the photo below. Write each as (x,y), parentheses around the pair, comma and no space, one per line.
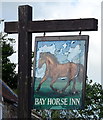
(55,70)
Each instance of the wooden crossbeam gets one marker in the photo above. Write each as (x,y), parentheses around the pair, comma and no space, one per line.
(69,25)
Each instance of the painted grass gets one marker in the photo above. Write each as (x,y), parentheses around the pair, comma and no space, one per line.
(46,91)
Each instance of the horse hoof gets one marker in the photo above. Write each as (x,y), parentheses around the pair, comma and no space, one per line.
(57,91)
(60,92)
(74,92)
(37,89)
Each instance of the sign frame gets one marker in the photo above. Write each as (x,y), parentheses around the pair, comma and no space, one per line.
(63,38)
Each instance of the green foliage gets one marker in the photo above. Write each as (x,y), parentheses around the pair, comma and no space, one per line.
(55,115)
(93,102)
(8,69)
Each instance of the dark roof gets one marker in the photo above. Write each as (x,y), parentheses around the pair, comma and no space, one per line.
(7,93)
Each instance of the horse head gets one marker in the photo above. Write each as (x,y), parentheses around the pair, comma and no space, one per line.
(41,60)
(48,58)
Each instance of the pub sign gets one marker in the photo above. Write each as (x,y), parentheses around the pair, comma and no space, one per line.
(60,72)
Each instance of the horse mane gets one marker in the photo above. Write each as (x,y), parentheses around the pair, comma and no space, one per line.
(52,56)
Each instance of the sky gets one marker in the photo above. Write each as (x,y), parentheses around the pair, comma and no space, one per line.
(62,9)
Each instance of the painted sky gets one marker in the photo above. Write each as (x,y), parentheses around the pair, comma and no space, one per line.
(63,9)
(64,51)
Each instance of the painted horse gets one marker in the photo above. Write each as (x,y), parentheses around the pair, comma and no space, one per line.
(55,70)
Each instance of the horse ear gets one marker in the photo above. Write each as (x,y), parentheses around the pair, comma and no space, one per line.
(50,61)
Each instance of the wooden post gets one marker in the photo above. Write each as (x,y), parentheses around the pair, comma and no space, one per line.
(24,62)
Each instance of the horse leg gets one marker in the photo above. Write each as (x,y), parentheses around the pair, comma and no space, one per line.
(68,83)
(43,80)
(51,85)
(73,88)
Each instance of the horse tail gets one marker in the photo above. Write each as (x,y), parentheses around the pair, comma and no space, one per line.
(77,73)
(80,72)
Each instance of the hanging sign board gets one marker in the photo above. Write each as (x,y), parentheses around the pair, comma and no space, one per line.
(60,72)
